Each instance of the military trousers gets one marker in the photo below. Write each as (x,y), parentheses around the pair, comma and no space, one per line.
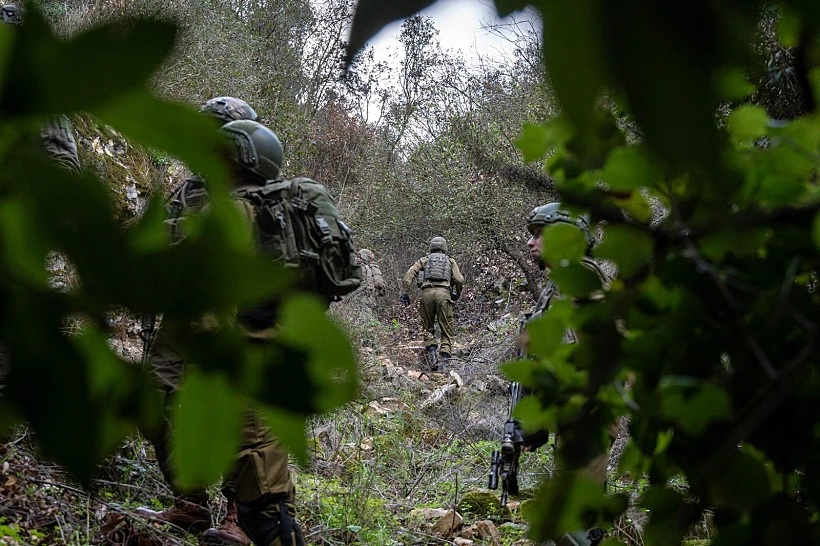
(436,306)
(261,467)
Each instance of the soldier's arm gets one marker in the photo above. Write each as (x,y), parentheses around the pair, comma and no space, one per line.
(458,278)
(411,274)
(58,140)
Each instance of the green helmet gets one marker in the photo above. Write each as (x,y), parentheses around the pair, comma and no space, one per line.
(438,244)
(551,213)
(229,109)
(257,149)
(11,14)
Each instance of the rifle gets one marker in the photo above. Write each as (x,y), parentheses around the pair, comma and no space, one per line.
(149,328)
(504,463)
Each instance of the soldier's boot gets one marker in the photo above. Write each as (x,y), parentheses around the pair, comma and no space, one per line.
(191,515)
(431,358)
(591,537)
(270,521)
(444,363)
(229,533)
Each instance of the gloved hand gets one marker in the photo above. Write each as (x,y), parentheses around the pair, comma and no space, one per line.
(454,295)
(405,299)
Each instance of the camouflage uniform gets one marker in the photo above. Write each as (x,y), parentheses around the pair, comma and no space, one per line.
(260,492)
(436,303)
(372,278)
(260,483)
(57,135)
(595,469)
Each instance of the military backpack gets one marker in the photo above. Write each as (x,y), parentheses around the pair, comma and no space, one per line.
(297,224)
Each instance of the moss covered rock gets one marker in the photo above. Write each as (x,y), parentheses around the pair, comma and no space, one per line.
(483,505)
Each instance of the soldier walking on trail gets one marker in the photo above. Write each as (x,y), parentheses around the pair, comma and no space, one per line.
(190,510)
(441,282)
(372,278)
(260,492)
(540,217)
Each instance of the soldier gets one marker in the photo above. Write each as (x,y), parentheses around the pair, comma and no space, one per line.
(372,278)
(190,510)
(261,492)
(545,215)
(57,134)
(441,283)
(58,140)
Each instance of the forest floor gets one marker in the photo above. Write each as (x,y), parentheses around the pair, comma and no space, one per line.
(385,469)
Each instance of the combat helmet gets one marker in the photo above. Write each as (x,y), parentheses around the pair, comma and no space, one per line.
(438,244)
(11,14)
(551,213)
(367,255)
(257,149)
(229,109)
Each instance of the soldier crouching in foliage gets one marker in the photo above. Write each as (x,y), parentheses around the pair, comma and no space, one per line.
(539,218)
(441,282)
(190,510)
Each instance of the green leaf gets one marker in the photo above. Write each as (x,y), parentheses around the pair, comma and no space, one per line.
(571,31)
(289,429)
(331,362)
(534,416)
(575,280)
(663,503)
(789,27)
(630,248)
(628,169)
(694,413)
(748,123)
(733,242)
(537,139)
(21,243)
(815,232)
(570,502)
(778,190)
(373,15)
(637,207)
(562,243)
(733,84)
(519,370)
(175,128)
(742,484)
(208,421)
(669,85)
(546,334)
(49,76)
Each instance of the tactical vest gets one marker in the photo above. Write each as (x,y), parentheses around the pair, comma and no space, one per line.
(437,268)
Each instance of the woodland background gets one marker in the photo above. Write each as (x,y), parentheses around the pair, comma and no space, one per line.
(433,146)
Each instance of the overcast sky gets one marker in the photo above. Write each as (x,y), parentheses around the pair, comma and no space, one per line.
(459,23)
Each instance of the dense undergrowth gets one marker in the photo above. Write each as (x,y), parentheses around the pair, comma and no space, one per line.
(382,469)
